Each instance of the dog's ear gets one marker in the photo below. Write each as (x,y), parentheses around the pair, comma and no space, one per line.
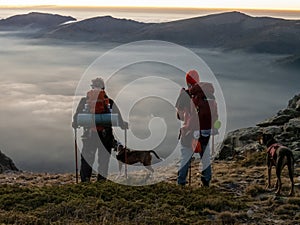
(120,147)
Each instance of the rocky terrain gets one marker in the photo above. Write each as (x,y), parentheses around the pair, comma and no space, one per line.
(237,196)
(285,126)
(6,164)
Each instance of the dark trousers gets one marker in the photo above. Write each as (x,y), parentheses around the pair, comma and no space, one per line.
(93,141)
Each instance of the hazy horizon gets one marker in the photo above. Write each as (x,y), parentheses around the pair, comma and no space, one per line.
(279,4)
(143,14)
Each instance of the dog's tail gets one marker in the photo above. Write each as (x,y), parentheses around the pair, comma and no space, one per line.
(154,154)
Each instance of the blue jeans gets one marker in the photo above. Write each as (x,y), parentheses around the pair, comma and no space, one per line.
(186,156)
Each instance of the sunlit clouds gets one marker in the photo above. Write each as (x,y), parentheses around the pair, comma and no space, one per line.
(233,4)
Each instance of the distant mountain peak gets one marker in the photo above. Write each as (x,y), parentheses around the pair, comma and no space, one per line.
(236,13)
(35,20)
(109,18)
(226,17)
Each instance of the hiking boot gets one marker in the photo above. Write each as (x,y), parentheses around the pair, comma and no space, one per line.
(85,179)
(205,183)
(100,178)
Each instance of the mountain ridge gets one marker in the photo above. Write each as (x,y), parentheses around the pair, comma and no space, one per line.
(231,30)
(34,20)
(228,30)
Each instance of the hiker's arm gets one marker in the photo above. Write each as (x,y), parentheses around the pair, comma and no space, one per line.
(79,109)
(116,110)
(182,104)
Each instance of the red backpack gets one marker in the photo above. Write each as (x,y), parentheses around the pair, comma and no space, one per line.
(206,107)
(204,101)
(98,101)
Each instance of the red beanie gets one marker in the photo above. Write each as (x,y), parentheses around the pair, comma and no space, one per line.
(192,77)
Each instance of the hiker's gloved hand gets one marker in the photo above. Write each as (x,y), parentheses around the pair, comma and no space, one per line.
(124,125)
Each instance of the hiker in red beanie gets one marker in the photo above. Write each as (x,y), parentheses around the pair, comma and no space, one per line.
(197,108)
(192,77)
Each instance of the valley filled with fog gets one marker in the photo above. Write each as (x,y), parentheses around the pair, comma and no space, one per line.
(39,78)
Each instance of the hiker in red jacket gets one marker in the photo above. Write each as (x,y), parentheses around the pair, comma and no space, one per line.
(96,137)
(197,108)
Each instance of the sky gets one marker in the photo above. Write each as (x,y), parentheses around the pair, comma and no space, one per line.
(233,4)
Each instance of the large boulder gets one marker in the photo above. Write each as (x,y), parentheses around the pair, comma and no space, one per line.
(284,126)
(284,115)
(6,164)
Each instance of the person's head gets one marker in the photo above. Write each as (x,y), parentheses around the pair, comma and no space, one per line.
(192,77)
(98,83)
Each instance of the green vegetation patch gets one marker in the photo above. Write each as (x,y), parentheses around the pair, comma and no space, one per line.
(110,203)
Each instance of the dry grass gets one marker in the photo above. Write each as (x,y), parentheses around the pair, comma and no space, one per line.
(237,196)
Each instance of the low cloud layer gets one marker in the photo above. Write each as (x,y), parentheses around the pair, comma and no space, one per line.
(38,81)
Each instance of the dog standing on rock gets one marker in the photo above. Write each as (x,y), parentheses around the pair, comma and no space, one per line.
(278,156)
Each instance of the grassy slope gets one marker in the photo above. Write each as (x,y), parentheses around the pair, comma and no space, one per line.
(237,196)
(109,203)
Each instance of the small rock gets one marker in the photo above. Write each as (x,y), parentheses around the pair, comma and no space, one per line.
(250,213)
(292,126)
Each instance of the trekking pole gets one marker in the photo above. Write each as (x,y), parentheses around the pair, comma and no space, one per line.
(190,171)
(76,158)
(125,136)
(213,144)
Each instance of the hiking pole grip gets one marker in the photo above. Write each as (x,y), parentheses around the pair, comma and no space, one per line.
(76,157)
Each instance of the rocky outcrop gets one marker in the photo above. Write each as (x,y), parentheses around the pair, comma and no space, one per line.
(6,164)
(285,126)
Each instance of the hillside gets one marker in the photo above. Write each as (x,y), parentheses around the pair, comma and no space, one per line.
(6,164)
(34,20)
(230,31)
(233,30)
(237,194)
(97,29)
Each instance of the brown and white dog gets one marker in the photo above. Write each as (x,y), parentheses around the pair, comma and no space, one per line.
(278,156)
(134,156)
